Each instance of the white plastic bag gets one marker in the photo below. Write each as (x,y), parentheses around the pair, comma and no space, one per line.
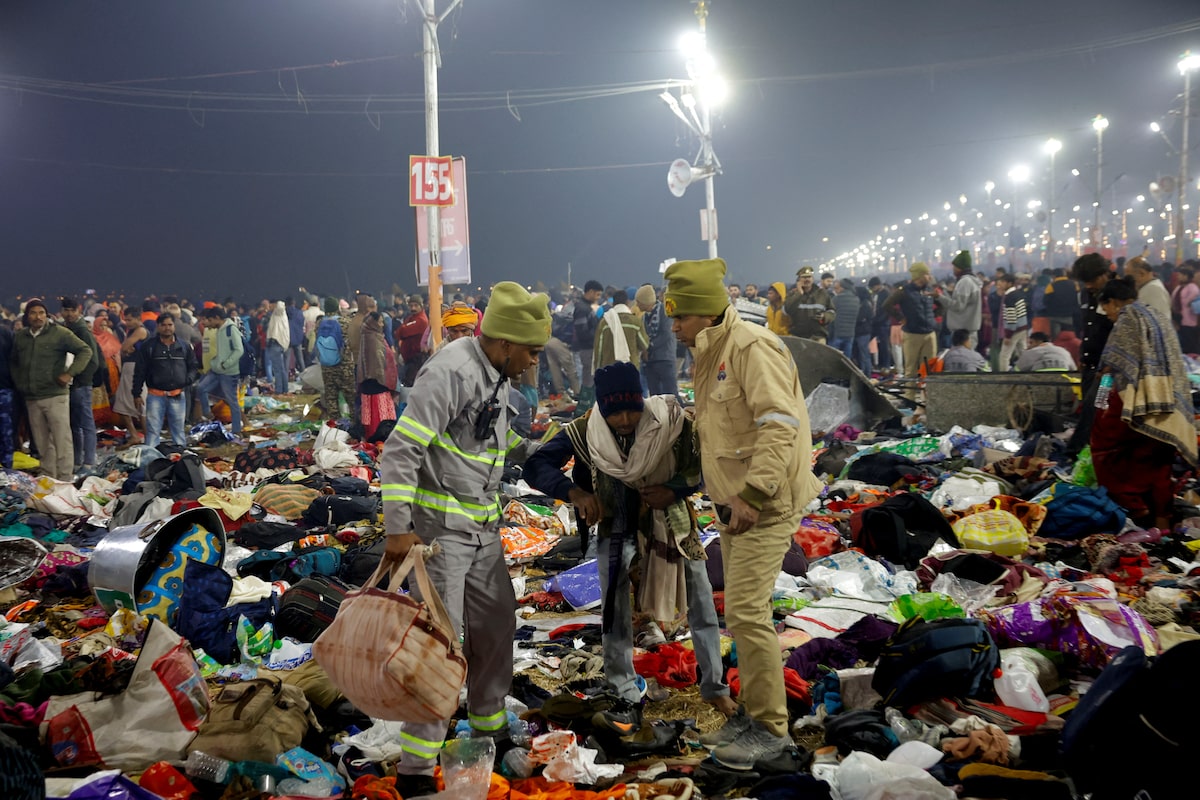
(862,776)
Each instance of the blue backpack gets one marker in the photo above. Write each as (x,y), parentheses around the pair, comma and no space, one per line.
(329,342)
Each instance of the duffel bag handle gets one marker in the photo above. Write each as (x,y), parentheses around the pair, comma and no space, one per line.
(415,562)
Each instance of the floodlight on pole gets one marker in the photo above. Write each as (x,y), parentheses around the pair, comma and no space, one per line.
(705,89)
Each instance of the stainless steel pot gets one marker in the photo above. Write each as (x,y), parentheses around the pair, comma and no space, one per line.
(126,557)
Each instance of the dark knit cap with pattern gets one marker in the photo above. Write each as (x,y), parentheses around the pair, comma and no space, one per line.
(618,388)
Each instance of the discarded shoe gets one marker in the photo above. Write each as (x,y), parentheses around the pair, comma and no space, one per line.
(754,744)
(622,718)
(734,727)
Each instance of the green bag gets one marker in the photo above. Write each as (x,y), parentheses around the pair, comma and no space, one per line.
(1084,473)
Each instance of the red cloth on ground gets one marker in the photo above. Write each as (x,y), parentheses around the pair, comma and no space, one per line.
(671,664)
(796,687)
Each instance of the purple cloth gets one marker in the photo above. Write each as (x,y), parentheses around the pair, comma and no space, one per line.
(862,640)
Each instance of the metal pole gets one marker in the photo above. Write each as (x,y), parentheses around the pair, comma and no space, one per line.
(1180,244)
(1099,188)
(430,58)
(1050,218)
(709,194)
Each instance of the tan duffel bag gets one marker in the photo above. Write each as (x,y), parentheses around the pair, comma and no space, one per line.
(394,657)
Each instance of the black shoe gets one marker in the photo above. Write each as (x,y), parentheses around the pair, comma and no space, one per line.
(622,718)
(410,786)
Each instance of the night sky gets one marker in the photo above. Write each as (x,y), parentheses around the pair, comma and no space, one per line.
(845,116)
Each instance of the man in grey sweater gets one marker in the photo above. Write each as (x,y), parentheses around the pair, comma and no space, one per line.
(964,310)
(845,305)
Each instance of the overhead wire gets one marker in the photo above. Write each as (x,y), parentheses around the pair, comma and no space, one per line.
(125,93)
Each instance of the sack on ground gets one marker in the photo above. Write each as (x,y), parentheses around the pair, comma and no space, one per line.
(154,719)
(255,720)
(993,530)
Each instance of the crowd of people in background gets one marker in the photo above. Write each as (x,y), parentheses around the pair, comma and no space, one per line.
(166,362)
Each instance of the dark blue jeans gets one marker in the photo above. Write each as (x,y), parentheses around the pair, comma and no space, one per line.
(83,426)
(660,377)
(8,424)
(277,365)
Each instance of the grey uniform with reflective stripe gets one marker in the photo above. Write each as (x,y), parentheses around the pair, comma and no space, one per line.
(442,483)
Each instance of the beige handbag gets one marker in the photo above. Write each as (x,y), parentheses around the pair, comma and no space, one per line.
(395,658)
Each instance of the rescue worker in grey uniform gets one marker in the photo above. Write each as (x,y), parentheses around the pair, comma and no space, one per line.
(441,471)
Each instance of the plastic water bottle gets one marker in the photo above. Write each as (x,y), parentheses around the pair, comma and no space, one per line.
(1106,385)
(516,763)
(209,768)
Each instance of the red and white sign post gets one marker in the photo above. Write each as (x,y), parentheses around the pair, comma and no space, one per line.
(431,185)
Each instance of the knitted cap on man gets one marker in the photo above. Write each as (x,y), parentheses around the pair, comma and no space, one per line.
(515,315)
(696,288)
(618,388)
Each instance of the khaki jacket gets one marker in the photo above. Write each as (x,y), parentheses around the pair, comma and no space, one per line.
(755,440)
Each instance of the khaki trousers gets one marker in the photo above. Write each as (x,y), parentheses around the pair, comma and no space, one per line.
(752,560)
(917,347)
(50,424)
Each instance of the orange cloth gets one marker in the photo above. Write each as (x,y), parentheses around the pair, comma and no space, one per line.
(542,789)
(454,316)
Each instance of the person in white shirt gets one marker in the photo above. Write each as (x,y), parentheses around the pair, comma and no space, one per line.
(1151,291)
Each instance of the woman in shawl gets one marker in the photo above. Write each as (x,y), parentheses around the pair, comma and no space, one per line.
(110,346)
(1149,415)
(377,375)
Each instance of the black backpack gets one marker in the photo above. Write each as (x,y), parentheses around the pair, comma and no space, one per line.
(902,529)
(1138,718)
(308,608)
(930,660)
(359,563)
(336,509)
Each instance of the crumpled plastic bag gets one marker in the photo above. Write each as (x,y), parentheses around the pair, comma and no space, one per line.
(1084,472)
(380,742)
(1090,626)
(926,605)
(578,765)
(851,574)
(828,407)
(467,768)
(526,542)
(862,776)
(968,595)
(962,493)
(109,785)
